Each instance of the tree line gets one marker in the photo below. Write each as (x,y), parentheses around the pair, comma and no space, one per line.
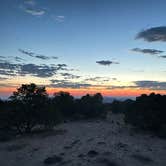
(30,106)
(147,112)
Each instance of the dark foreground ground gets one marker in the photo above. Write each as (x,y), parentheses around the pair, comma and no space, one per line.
(85,143)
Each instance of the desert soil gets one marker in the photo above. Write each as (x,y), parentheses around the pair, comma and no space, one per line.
(85,143)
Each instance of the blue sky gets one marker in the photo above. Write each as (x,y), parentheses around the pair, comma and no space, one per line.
(80,33)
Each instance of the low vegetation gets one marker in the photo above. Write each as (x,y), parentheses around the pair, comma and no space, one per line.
(147,112)
(30,107)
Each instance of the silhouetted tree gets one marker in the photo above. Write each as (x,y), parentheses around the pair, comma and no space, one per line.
(121,106)
(3,115)
(91,106)
(64,103)
(29,104)
(148,112)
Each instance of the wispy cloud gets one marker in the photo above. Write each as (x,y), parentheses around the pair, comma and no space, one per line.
(30,2)
(121,87)
(7,73)
(8,66)
(138,70)
(54,57)
(59,18)
(42,71)
(2,78)
(35,12)
(153,34)
(18,59)
(39,56)
(147,51)
(30,7)
(143,84)
(98,79)
(10,58)
(152,85)
(68,84)
(70,76)
(162,56)
(42,57)
(8,69)
(106,62)
(37,70)
(26,52)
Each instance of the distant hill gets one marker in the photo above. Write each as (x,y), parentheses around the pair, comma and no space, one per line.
(111,99)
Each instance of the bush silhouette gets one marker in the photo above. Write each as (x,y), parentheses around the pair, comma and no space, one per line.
(90,106)
(121,106)
(29,106)
(64,103)
(148,112)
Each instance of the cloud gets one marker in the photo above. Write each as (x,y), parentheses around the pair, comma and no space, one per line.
(29,7)
(42,57)
(26,52)
(153,34)
(92,79)
(30,2)
(54,57)
(18,59)
(4,72)
(35,12)
(152,85)
(106,62)
(162,56)
(98,79)
(120,87)
(34,55)
(37,70)
(70,76)
(143,84)
(7,58)
(61,66)
(68,84)
(3,78)
(138,71)
(43,71)
(58,18)
(8,66)
(147,51)
(7,85)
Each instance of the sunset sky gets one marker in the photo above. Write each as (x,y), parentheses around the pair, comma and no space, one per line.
(116,47)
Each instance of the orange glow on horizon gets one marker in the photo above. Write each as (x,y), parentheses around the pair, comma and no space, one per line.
(105,92)
(7,91)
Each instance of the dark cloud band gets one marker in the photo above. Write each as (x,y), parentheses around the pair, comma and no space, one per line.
(34,55)
(162,56)
(147,51)
(10,69)
(152,85)
(106,62)
(68,84)
(153,34)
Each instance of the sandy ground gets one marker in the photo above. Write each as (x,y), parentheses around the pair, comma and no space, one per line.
(108,144)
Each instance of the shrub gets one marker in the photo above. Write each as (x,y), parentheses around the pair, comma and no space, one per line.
(148,112)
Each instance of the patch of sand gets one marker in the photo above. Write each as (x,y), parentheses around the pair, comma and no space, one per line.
(111,144)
